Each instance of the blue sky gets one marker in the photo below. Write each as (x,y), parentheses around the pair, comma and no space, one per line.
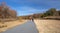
(26,7)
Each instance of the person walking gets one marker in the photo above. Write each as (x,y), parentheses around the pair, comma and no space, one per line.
(32,19)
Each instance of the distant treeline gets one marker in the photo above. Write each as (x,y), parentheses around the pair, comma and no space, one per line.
(50,12)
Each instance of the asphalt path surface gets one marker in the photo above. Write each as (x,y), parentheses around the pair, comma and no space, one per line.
(28,27)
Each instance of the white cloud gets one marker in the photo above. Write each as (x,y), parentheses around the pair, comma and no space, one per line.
(25,10)
(29,10)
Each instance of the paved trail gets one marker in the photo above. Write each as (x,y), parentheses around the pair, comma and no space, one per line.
(28,27)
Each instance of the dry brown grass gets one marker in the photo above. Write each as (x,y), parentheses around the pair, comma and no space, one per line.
(48,26)
(7,25)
